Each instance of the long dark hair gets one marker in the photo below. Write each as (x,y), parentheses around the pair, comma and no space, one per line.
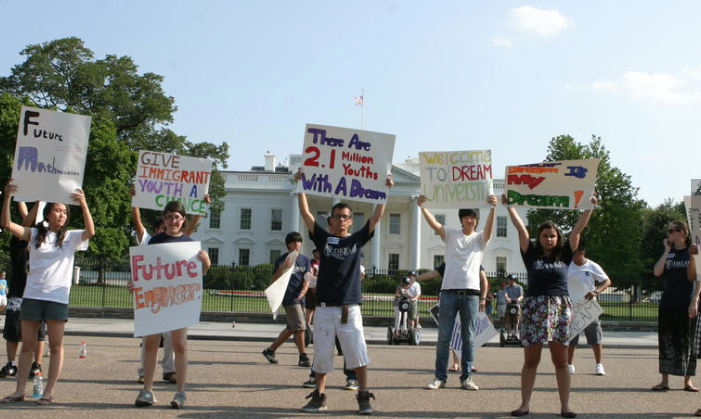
(557,250)
(43,230)
(681,226)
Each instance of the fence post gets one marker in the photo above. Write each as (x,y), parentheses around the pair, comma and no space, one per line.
(233,277)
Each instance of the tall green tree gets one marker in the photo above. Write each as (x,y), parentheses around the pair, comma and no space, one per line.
(613,235)
(130,111)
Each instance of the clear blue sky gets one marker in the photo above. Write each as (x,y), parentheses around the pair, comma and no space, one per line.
(440,75)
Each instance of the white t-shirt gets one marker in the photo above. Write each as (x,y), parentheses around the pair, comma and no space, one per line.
(463,256)
(414,290)
(144,240)
(51,268)
(582,279)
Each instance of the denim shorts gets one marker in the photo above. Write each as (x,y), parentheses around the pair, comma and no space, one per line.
(38,310)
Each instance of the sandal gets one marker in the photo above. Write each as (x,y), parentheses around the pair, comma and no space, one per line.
(12,399)
(660,387)
(44,401)
(455,367)
(690,388)
(518,413)
(568,414)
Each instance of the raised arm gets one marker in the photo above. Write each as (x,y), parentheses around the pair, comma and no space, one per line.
(430,219)
(195,219)
(136,219)
(489,226)
(523,236)
(79,197)
(307,216)
(22,233)
(29,218)
(379,208)
(428,275)
(576,233)
(658,269)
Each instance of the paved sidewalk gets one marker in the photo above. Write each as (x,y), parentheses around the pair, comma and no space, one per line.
(269,331)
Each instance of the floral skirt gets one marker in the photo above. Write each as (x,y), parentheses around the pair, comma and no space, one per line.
(546,318)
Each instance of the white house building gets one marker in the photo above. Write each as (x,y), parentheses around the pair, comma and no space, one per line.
(260,208)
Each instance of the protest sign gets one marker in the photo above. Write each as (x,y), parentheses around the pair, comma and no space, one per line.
(50,155)
(484,330)
(693,216)
(346,164)
(275,293)
(167,281)
(456,179)
(583,313)
(163,177)
(556,185)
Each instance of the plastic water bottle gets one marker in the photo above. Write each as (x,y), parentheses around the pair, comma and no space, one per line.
(83,350)
(38,384)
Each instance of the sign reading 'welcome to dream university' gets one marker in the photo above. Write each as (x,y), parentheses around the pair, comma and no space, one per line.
(555,184)
(50,154)
(347,164)
(456,179)
(163,177)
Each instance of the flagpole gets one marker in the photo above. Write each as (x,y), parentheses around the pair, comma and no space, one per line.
(362,110)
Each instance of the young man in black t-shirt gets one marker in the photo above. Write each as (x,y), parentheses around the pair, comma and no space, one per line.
(338,297)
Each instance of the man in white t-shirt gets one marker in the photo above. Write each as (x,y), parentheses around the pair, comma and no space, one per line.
(413,292)
(462,290)
(593,280)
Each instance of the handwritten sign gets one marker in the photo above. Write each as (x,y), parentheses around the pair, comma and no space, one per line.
(693,216)
(556,185)
(583,313)
(484,330)
(275,293)
(347,164)
(455,179)
(162,177)
(50,154)
(167,282)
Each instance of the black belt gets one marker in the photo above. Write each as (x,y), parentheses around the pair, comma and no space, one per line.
(462,291)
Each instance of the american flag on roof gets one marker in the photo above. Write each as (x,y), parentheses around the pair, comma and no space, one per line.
(358,100)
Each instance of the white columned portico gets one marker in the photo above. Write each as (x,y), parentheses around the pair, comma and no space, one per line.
(294,213)
(415,239)
(376,244)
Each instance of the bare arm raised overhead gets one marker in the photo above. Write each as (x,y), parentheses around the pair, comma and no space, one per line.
(430,219)
(576,233)
(523,236)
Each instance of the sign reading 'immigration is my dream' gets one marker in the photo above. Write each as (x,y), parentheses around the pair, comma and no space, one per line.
(50,155)
(347,164)
(455,179)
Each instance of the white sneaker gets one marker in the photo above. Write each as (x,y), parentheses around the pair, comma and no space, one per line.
(570,367)
(435,384)
(599,370)
(467,384)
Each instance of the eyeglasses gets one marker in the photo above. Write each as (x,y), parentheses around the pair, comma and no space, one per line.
(173,218)
(673,230)
(341,216)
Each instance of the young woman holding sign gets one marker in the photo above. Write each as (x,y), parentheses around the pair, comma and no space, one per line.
(52,249)
(546,310)
(174,217)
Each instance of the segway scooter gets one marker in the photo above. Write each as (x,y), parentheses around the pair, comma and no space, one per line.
(404,333)
(514,310)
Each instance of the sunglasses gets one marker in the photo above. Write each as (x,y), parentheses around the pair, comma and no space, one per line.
(673,230)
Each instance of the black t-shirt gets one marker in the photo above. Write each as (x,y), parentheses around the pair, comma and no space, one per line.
(441,269)
(164,238)
(339,265)
(19,258)
(302,266)
(546,274)
(676,294)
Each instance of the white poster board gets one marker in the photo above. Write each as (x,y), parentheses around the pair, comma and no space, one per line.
(583,313)
(163,177)
(693,216)
(50,155)
(564,184)
(348,164)
(456,179)
(275,293)
(484,330)
(167,282)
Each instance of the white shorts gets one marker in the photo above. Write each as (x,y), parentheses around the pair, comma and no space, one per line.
(327,325)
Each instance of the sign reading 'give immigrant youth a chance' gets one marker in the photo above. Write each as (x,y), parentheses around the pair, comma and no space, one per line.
(347,164)
(50,155)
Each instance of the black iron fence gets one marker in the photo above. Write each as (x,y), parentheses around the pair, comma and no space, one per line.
(239,289)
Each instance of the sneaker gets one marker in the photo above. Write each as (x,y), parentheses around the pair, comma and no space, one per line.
(363,397)
(34,369)
(468,384)
(144,399)
(570,368)
(170,377)
(303,361)
(270,356)
(351,385)
(178,400)
(599,370)
(310,383)
(9,370)
(418,326)
(436,384)
(316,404)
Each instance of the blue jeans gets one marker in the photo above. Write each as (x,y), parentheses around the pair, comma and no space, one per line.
(468,307)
